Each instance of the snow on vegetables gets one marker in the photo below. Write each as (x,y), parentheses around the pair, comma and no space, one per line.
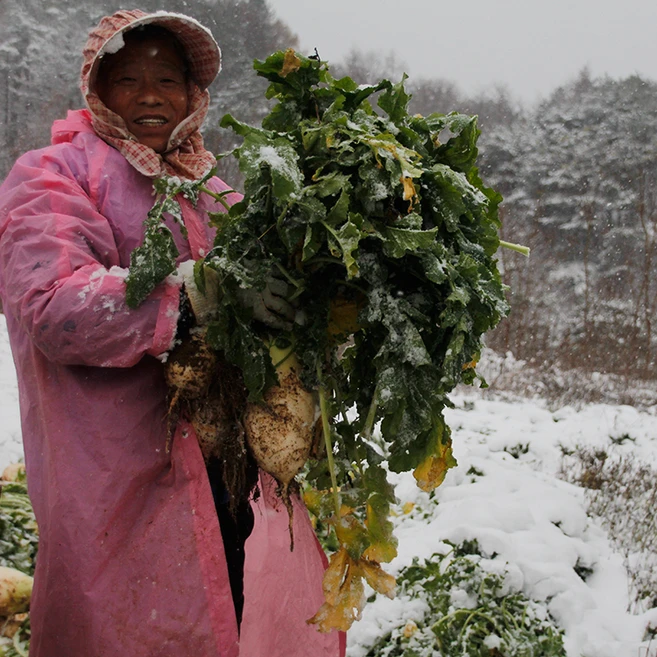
(387,236)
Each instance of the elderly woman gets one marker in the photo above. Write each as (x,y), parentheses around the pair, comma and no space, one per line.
(135,557)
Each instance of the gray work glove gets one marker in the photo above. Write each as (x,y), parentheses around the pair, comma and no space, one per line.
(270,306)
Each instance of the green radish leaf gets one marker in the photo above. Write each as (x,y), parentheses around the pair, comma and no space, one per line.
(279,157)
(400,241)
(394,102)
(150,264)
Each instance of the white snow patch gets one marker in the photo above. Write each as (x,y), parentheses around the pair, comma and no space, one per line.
(113,45)
(506,494)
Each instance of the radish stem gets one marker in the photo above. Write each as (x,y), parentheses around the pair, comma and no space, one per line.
(371,415)
(516,247)
(218,196)
(288,276)
(326,427)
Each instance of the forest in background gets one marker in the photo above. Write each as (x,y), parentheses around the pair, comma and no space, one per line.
(577,170)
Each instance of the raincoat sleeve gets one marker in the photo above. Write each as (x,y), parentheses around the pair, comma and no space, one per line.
(59,270)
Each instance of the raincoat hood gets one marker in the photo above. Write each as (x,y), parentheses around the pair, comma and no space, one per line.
(185,155)
(202,52)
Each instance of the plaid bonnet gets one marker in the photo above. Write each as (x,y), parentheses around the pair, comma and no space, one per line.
(185,155)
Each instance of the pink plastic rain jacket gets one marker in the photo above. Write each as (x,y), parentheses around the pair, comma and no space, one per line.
(130,559)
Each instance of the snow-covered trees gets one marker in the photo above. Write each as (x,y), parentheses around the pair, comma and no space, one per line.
(579,174)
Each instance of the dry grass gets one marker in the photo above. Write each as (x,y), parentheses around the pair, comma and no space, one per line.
(622,494)
(509,377)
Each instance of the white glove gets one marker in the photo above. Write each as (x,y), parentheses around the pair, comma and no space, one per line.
(270,305)
(204,305)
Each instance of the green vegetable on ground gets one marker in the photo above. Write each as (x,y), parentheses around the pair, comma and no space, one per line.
(468,610)
(385,232)
(19,538)
(19,534)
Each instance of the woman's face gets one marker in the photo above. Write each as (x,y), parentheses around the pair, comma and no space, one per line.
(145,84)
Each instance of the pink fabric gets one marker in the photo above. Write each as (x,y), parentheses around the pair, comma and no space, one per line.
(130,557)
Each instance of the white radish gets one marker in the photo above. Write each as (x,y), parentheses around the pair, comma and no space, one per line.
(191,367)
(15,591)
(13,472)
(280,431)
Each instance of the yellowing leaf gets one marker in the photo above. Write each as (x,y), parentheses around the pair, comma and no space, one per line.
(410,629)
(334,576)
(352,535)
(383,544)
(343,317)
(291,63)
(312,499)
(381,552)
(344,591)
(344,594)
(431,472)
(339,618)
(408,507)
(377,578)
(409,188)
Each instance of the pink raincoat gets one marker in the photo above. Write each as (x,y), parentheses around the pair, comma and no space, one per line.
(131,560)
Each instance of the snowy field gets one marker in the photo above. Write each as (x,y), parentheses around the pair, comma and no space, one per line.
(517,508)
(505,493)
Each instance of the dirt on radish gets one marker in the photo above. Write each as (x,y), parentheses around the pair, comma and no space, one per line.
(280,431)
(209,392)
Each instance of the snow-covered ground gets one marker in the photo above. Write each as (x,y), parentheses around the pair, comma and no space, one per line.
(505,492)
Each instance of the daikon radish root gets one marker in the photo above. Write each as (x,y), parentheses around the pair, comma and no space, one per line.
(189,373)
(15,591)
(210,425)
(14,472)
(207,390)
(280,431)
(191,367)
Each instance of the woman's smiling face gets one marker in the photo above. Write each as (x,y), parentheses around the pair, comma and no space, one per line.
(145,83)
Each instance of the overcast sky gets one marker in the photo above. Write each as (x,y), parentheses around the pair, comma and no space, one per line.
(531,47)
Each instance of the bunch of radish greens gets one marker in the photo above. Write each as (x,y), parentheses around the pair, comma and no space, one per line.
(380,224)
